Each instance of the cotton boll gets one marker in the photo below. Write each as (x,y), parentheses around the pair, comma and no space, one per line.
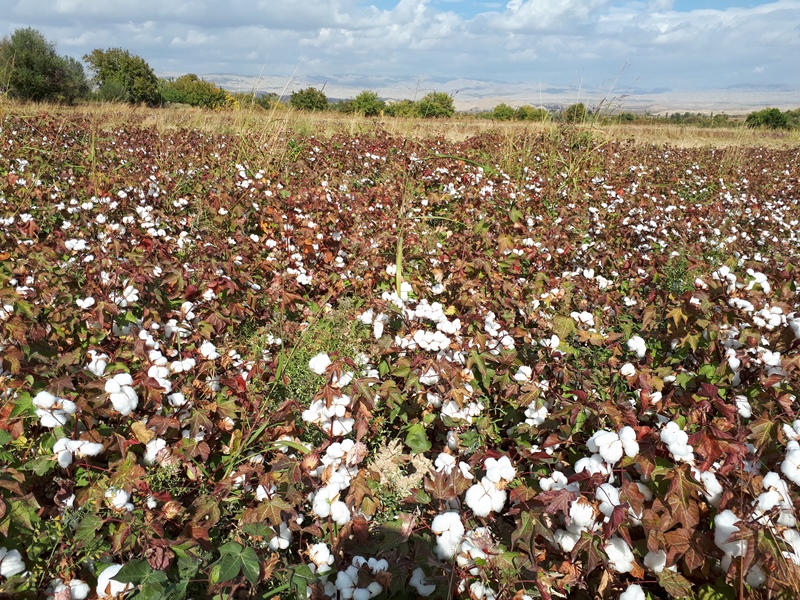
(636,344)
(581,516)
(620,557)
(340,513)
(633,592)
(118,499)
(319,363)
(499,469)
(417,581)
(608,496)
(374,589)
(152,450)
(724,527)
(607,444)
(566,540)
(790,466)
(79,589)
(627,370)
(656,561)
(11,563)
(627,436)
(756,576)
(107,586)
(523,374)
(484,497)
(361,594)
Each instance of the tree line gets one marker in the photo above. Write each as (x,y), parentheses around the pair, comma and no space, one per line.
(32,70)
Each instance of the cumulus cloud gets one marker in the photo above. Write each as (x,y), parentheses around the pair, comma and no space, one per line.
(572,42)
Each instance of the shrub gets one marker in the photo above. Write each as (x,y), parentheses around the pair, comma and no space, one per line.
(310,99)
(436,104)
(576,113)
(31,70)
(503,112)
(771,118)
(368,104)
(529,113)
(403,108)
(189,89)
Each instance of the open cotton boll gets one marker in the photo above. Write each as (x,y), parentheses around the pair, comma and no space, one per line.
(417,581)
(608,496)
(566,540)
(523,374)
(637,345)
(77,589)
(633,592)
(484,497)
(107,586)
(152,450)
(97,363)
(790,466)
(627,370)
(724,527)
(498,470)
(607,444)
(11,563)
(209,351)
(319,363)
(656,561)
(118,499)
(340,513)
(581,516)
(620,556)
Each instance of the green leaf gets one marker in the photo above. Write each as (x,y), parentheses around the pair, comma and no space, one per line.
(229,567)
(251,565)
(231,548)
(88,529)
(138,572)
(417,439)
(719,591)
(258,530)
(5,437)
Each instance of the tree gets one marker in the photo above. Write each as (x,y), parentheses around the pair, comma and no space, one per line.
(503,112)
(436,104)
(122,76)
(575,113)
(310,99)
(190,89)
(31,70)
(771,118)
(529,113)
(368,104)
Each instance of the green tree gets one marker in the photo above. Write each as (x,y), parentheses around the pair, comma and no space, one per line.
(436,104)
(263,101)
(122,76)
(503,112)
(190,89)
(403,108)
(368,104)
(31,70)
(310,99)
(529,113)
(576,113)
(771,118)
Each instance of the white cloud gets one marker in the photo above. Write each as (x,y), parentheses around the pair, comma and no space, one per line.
(560,42)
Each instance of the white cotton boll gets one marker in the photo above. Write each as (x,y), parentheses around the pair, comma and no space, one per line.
(97,363)
(724,527)
(656,561)
(607,444)
(319,363)
(209,351)
(377,566)
(756,576)
(620,557)
(790,466)
(627,435)
(417,581)
(499,469)
(44,400)
(118,499)
(11,563)
(374,589)
(592,464)
(633,592)
(447,522)
(627,370)
(581,516)
(152,450)
(536,416)
(712,487)
(557,481)
(282,540)
(523,374)
(320,554)
(361,594)
(637,345)
(566,540)
(62,452)
(79,590)
(340,513)
(484,497)
(608,496)
(743,407)
(107,586)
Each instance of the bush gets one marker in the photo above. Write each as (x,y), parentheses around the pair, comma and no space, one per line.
(122,76)
(310,99)
(529,113)
(263,101)
(503,112)
(436,104)
(575,113)
(403,108)
(771,118)
(31,70)
(368,104)
(189,89)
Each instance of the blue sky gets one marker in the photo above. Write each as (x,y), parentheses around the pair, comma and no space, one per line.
(640,44)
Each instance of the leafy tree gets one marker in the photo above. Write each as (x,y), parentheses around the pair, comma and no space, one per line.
(123,76)
(503,112)
(31,70)
(403,108)
(310,99)
(529,113)
(771,118)
(576,113)
(436,104)
(263,101)
(368,104)
(190,89)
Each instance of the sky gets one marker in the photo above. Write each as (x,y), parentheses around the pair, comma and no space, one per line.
(623,44)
